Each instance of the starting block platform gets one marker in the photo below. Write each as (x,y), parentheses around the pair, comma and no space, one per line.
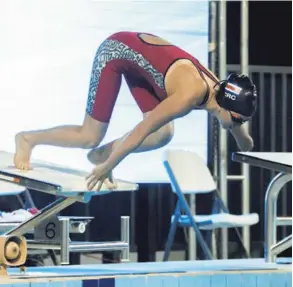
(54,179)
(69,186)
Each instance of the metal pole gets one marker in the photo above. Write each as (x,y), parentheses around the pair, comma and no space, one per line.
(65,240)
(223,133)
(284,221)
(213,67)
(125,237)
(214,126)
(273,115)
(245,167)
(191,234)
(284,197)
(271,213)
(282,245)
(213,36)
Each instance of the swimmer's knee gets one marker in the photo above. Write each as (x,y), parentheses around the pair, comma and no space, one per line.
(166,134)
(91,143)
(92,132)
(91,140)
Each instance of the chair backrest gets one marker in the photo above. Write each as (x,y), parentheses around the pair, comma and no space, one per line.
(188,172)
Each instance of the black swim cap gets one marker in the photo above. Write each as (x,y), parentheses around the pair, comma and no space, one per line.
(238,94)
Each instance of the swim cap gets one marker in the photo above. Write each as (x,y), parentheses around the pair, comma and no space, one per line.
(238,95)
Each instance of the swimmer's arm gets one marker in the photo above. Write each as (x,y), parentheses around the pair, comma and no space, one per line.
(242,137)
(171,108)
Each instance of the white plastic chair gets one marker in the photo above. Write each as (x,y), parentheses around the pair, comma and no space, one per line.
(189,174)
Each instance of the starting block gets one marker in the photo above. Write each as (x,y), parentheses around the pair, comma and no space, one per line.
(70,187)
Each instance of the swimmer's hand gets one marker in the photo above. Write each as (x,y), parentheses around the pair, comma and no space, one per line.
(101,174)
(242,137)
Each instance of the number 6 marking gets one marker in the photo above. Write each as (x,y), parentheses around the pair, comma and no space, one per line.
(50,230)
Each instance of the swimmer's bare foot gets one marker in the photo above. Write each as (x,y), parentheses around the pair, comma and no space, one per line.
(100,154)
(23,150)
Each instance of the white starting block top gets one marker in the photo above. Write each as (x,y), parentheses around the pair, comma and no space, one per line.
(70,181)
(279,161)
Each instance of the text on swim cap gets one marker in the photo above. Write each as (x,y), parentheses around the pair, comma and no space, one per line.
(230,96)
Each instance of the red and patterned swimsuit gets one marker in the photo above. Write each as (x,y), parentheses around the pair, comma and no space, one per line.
(143,66)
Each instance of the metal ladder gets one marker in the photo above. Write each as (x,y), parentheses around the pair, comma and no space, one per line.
(221,165)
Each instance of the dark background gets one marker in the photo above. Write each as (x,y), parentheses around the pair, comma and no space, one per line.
(270,33)
(270,44)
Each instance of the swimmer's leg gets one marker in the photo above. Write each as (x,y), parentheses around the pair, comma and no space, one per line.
(103,91)
(147,102)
